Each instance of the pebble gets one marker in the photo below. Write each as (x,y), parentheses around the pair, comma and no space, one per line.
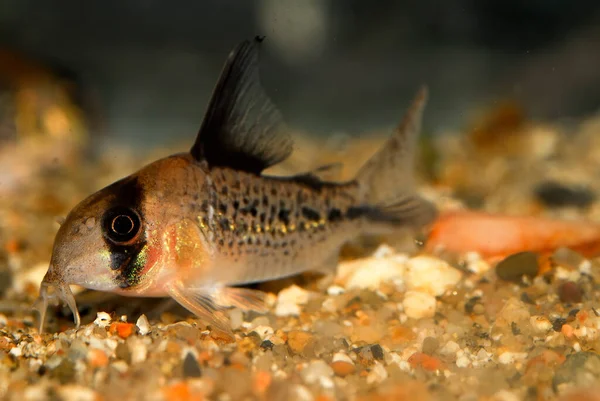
(430,345)
(514,267)
(191,368)
(102,319)
(540,324)
(419,305)
(369,273)
(143,325)
(122,352)
(318,371)
(297,340)
(556,194)
(509,358)
(77,350)
(289,299)
(377,374)
(569,293)
(377,352)
(263,332)
(422,269)
(343,368)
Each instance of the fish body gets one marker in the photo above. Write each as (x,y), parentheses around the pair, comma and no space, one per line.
(192,225)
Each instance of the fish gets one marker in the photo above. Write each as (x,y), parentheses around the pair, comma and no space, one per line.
(197,226)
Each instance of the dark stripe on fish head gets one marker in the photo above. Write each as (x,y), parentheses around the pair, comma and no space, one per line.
(124,232)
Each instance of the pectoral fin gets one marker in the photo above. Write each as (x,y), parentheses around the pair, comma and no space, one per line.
(210,303)
(202,305)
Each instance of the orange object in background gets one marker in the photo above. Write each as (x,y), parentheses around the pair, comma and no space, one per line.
(495,236)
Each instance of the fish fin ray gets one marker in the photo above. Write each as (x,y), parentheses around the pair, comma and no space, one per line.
(242,128)
(201,304)
(408,211)
(243,298)
(386,180)
(389,172)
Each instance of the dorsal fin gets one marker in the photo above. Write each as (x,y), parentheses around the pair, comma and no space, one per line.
(242,129)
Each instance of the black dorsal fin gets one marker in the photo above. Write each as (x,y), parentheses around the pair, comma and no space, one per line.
(242,128)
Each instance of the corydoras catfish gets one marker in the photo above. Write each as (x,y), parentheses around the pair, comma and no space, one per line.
(194,225)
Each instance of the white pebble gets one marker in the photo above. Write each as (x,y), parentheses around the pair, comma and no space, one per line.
(139,350)
(585,267)
(143,325)
(16,351)
(318,372)
(342,357)
(508,357)
(335,290)
(450,348)
(289,299)
(462,361)
(540,324)
(418,305)
(383,251)
(301,393)
(264,332)
(293,294)
(369,273)
(377,374)
(102,319)
(287,309)
(431,275)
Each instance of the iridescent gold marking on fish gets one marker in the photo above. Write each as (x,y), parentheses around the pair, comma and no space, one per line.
(192,225)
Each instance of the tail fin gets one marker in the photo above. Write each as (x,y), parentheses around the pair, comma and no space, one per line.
(386,181)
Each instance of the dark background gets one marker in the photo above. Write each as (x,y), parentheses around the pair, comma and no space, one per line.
(146,68)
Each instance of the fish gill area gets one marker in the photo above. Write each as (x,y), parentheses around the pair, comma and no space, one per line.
(398,320)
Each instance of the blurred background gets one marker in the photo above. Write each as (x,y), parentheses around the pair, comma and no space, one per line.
(141,71)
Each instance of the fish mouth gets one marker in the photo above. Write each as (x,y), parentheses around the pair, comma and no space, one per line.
(62,292)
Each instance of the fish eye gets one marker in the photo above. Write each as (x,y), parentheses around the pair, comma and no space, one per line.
(121,224)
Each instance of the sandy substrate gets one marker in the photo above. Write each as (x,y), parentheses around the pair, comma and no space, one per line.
(390,324)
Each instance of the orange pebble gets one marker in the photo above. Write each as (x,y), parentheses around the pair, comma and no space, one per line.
(12,246)
(180,392)
(419,359)
(262,381)
(97,358)
(122,329)
(567,330)
(342,368)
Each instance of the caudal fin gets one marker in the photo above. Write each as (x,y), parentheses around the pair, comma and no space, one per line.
(386,181)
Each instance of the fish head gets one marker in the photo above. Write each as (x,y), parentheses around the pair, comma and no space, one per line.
(103,244)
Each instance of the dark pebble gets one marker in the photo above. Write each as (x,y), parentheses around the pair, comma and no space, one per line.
(555,194)
(470,304)
(558,324)
(569,293)
(515,329)
(514,267)
(267,344)
(191,368)
(377,352)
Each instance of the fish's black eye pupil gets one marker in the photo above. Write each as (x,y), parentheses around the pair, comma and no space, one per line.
(122,224)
